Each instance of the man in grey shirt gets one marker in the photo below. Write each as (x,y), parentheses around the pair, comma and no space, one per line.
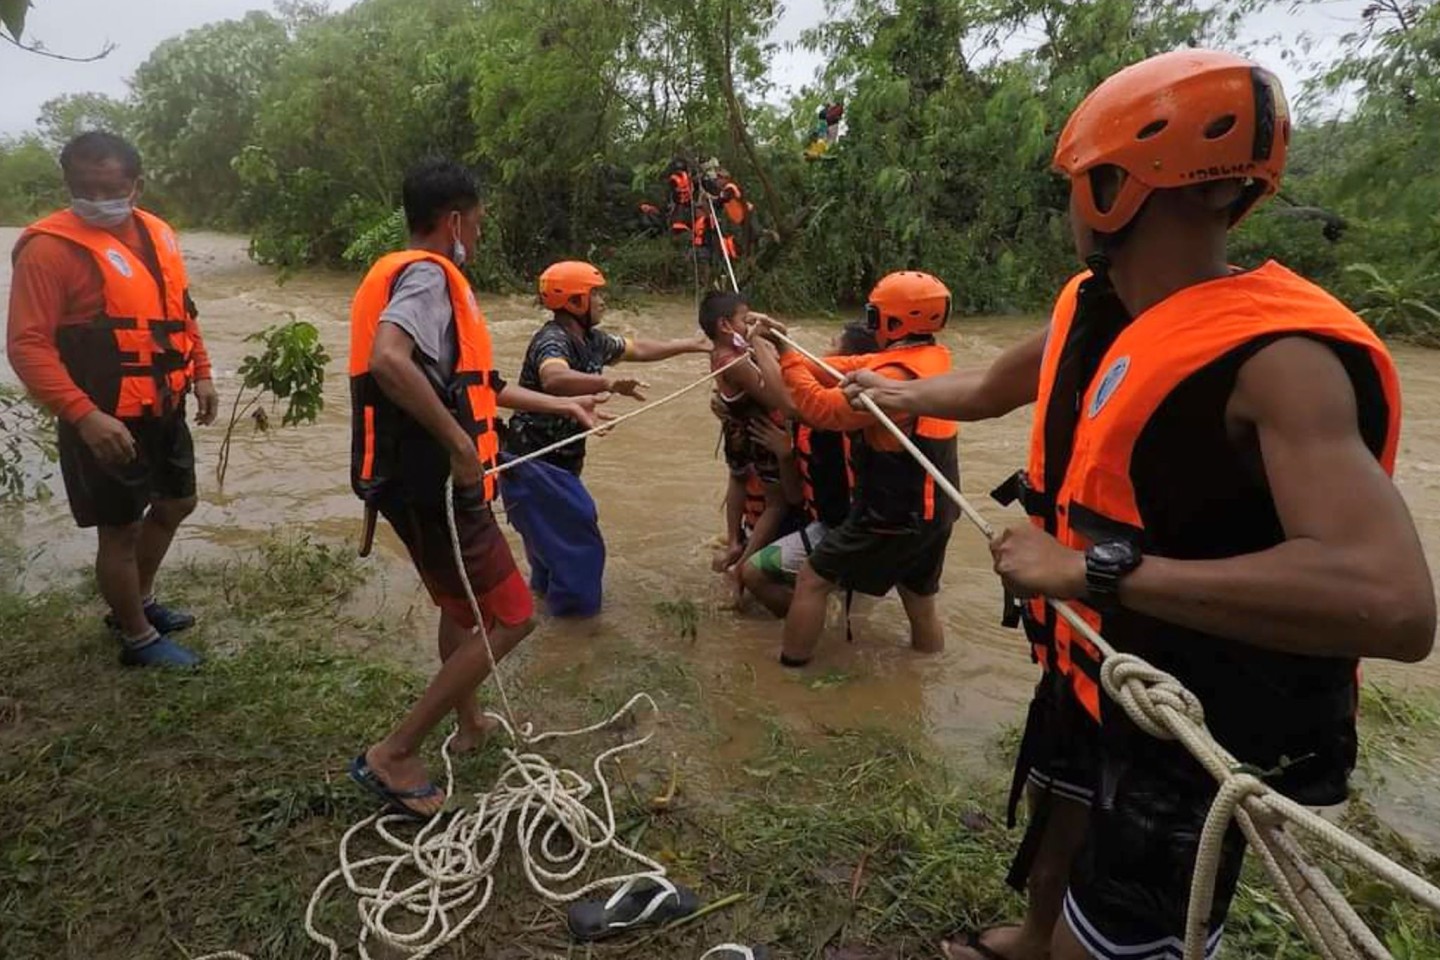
(420,305)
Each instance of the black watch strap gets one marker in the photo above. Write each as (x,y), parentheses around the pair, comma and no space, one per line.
(1106,564)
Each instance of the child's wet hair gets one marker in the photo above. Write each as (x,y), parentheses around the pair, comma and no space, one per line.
(856,338)
(719,305)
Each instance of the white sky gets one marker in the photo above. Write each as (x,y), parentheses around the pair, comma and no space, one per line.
(81,27)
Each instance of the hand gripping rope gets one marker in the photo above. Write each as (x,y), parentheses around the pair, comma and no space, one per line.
(1162,707)
(441,880)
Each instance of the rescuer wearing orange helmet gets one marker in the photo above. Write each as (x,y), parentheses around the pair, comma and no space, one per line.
(568,355)
(546,502)
(899,524)
(1209,484)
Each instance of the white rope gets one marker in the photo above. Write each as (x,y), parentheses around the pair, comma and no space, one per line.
(425,890)
(609,425)
(1162,707)
(715,222)
(741,951)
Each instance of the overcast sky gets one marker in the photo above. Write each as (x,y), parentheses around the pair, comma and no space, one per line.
(81,27)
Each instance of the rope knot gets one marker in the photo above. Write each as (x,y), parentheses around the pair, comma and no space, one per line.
(1149,695)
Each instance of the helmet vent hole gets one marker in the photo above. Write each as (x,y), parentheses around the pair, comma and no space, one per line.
(1220,126)
(1151,129)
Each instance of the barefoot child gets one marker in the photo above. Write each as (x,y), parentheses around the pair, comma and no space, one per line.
(746,396)
(897,530)
(821,465)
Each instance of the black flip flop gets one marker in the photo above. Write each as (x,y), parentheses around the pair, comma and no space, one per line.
(394,799)
(975,940)
(639,902)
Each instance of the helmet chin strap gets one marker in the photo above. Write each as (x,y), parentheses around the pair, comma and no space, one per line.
(1099,264)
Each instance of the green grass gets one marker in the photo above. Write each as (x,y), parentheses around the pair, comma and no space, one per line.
(144,815)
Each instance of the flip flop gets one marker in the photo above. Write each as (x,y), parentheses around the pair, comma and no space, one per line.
(394,799)
(638,901)
(736,951)
(974,940)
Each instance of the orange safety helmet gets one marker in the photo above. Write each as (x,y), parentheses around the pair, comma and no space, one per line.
(566,286)
(906,304)
(1171,121)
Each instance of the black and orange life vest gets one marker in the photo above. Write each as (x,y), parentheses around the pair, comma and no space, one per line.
(681,189)
(890,485)
(386,442)
(737,208)
(135,359)
(754,500)
(823,459)
(1136,450)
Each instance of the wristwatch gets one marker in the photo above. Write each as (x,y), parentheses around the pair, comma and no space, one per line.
(1106,564)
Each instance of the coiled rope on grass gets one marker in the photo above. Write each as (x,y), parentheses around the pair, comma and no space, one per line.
(424,891)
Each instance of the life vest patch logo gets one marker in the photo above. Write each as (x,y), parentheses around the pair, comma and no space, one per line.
(118,261)
(1108,384)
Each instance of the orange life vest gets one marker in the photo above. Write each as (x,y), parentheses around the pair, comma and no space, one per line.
(135,359)
(703,225)
(681,191)
(736,207)
(386,442)
(891,486)
(823,459)
(1207,327)
(754,500)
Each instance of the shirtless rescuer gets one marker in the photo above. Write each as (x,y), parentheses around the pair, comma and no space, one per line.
(1209,480)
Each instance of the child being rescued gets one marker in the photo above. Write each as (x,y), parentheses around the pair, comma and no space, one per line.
(895,534)
(744,396)
(820,460)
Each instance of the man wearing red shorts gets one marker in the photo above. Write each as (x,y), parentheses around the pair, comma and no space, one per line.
(425,398)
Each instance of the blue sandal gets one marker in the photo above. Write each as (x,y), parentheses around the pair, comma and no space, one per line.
(394,799)
(161,617)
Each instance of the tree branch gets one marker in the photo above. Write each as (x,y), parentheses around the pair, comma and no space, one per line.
(39,50)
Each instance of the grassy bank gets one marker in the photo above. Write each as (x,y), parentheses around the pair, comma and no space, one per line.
(153,816)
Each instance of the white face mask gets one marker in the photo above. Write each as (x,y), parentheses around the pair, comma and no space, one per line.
(103,213)
(458,253)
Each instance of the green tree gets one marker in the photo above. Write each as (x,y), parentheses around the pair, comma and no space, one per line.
(61,118)
(196,98)
(30,182)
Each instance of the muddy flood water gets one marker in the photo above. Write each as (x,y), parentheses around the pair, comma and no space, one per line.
(659,487)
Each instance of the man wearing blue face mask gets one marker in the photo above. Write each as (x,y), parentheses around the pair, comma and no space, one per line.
(102,332)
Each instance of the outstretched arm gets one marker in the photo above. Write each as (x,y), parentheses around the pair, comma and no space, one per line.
(1350,579)
(580,409)
(825,407)
(1009,383)
(649,351)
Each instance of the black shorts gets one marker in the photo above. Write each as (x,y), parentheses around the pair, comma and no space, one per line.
(1130,885)
(106,496)
(861,556)
(1060,749)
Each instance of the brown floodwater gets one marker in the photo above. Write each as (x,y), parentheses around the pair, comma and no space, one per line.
(659,488)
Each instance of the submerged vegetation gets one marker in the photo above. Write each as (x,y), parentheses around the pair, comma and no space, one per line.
(296,127)
(154,815)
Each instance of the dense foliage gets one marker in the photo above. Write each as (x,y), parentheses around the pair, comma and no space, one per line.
(297,127)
